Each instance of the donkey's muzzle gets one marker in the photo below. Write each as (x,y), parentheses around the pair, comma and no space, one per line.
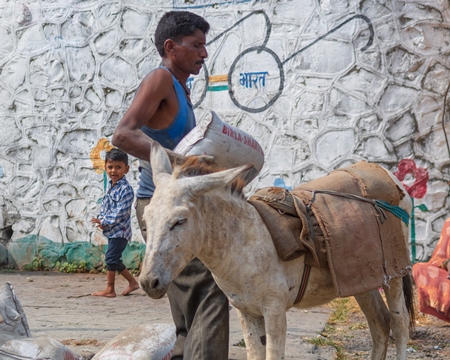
(152,286)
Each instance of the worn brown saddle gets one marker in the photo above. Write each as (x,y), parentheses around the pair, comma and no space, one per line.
(335,222)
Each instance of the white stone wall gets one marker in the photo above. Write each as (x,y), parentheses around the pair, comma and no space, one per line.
(320,84)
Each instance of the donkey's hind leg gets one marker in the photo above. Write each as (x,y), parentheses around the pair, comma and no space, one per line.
(377,315)
(399,315)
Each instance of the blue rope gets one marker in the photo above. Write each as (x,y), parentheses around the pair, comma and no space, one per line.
(397,211)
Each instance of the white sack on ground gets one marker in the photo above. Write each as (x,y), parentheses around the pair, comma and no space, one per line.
(39,348)
(15,336)
(142,342)
(13,318)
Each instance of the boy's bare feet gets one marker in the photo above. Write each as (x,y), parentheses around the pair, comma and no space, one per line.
(105,293)
(130,288)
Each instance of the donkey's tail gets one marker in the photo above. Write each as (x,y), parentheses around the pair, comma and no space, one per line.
(409,299)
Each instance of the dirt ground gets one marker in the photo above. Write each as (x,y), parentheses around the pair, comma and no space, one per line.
(347,330)
(59,306)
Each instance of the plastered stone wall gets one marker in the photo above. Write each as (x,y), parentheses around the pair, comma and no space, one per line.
(320,84)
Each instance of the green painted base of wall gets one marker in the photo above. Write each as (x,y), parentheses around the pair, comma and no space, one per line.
(32,250)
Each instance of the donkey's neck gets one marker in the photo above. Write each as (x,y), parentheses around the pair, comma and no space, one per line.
(233,234)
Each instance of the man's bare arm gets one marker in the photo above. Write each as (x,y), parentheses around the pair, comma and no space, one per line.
(128,136)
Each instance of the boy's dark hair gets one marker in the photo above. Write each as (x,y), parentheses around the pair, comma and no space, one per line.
(116,155)
(177,24)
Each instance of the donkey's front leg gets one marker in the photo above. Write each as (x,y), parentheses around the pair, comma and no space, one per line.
(276,328)
(254,335)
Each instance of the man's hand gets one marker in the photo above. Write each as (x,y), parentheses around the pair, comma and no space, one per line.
(178,159)
(207,159)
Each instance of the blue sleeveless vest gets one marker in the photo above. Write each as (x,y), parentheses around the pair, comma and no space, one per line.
(169,137)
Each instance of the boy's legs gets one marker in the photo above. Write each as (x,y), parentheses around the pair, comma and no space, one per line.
(112,258)
(113,261)
(132,282)
(199,309)
(109,290)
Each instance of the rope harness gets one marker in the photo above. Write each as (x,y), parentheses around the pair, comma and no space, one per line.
(378,205)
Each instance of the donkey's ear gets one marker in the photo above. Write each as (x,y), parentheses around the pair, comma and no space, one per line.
(160,162)
(202,184)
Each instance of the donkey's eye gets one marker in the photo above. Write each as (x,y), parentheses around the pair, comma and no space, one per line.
(180,221)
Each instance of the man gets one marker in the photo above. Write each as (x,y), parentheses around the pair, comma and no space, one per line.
(162,111)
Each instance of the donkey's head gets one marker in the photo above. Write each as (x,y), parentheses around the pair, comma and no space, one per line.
(174,220)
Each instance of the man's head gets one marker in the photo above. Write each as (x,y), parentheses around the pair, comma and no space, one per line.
(116,164)
(175,25)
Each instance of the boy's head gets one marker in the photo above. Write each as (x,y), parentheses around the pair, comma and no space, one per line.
(175,25)
(116,164)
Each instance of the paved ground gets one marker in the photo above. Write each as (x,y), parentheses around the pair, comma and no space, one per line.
(59,306)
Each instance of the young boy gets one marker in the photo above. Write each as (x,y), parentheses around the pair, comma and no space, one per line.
(114,220)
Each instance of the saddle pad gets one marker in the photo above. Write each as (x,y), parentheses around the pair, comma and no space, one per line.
(283,228)
(362,253)
(288,226)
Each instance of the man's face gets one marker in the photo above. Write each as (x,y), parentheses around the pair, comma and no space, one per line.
(190,52)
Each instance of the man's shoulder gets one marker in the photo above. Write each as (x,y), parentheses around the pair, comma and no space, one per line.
(158,82)
(158,73)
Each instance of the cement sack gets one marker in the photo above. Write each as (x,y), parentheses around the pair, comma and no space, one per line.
(13,319)
(142,342)
(230,146)
(40,348)
(15,337)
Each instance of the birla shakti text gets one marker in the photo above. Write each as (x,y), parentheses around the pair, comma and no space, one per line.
(242,139)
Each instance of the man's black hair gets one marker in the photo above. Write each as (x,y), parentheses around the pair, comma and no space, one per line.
(116,155)
(177,24)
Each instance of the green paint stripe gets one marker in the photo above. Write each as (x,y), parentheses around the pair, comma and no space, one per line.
(218,88)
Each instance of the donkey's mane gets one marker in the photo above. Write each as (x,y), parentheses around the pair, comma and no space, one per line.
(198,166)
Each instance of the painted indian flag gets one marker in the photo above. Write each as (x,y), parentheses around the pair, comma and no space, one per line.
(218,83)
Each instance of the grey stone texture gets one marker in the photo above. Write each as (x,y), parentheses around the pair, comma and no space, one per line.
(334,94)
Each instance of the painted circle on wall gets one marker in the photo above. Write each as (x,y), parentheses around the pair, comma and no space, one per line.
(256,79)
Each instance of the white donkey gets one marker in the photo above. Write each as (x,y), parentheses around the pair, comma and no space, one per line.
(199,216)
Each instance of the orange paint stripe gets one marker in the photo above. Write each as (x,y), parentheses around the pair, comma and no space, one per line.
(218,78)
